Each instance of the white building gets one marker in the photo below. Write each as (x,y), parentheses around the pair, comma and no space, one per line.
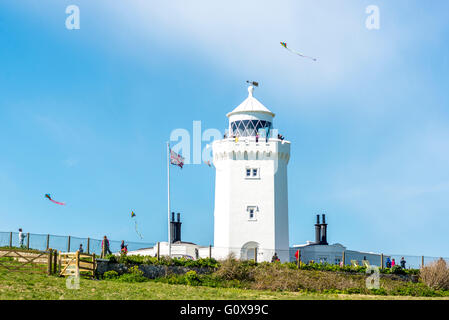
(322,252)
(251,199)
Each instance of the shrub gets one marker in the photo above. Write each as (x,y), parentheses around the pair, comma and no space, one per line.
(232,269)
(109,275)
(436,275)
(163,261)
(133,275)
(112,258)
(280,277)
(398,270)
(192,278)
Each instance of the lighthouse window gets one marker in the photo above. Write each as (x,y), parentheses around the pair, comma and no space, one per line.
(249,128)
(252,173)
(251,212)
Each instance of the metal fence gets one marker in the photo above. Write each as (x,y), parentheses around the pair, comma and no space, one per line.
(71,244)
(65,243)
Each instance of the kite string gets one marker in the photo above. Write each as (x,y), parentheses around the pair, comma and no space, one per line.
(138,233)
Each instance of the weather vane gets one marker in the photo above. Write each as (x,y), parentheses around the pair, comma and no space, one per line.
(253,83)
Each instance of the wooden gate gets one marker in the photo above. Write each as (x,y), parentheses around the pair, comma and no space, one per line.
(29,261)
(73,263)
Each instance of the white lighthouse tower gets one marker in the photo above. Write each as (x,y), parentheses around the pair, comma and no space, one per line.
(251,199)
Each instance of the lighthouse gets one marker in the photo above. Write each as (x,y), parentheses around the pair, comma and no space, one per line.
(251,196)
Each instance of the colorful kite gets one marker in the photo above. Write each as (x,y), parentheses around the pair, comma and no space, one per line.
(49,198)
(135,224)
(296,52)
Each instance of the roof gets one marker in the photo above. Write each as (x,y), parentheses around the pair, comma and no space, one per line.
(250,104)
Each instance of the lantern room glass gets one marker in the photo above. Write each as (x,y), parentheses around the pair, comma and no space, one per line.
(249,128)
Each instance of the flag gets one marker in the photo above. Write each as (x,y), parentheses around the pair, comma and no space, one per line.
(176,159)
(297,254)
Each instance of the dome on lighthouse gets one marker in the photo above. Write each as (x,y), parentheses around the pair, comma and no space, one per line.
(250,117)
(250,104)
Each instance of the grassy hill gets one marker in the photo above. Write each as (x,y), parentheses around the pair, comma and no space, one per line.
(17,285)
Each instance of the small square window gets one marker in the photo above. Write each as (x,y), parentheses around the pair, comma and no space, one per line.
(251,212)
(252,173)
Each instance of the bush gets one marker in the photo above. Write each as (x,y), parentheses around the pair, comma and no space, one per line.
(110,275)
(192,278)
(436,275)
(163,261)
(232,269)
(280,277)
(398,270)
(133,275)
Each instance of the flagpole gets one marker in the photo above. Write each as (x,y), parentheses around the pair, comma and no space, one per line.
(168,184)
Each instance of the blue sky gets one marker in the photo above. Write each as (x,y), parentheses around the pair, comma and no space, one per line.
(85,114)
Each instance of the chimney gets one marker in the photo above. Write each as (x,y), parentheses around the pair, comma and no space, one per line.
(178,228)
(324,231)
(172,228)
(317,230)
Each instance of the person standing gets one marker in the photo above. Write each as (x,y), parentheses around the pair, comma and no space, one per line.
(81,250)
(388,263)
(123,247)
(105,246)
(22,237)
(403,263)
(393,263)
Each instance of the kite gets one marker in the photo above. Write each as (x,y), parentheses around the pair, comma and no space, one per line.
(135,224)
(296,52)
(49,198)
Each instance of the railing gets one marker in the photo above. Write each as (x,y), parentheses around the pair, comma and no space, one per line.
(43,242)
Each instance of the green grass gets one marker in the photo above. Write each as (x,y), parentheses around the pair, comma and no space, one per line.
(23,286)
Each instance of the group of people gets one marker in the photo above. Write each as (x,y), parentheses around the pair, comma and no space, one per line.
(105,248)
(236,137)
(391,263)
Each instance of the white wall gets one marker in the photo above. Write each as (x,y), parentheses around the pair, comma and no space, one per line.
(234,193)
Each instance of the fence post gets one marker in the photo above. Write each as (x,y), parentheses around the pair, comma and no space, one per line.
(422,261)
(255,254)
(48,242)
(59,262)
(94,265)
(343,256)
(28,241)
(77,263)
(68,244)
(10,239)
(381,260)
(49,262)
(88,245)
(158,250)
(210,251)
(103,249)
(55,261)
